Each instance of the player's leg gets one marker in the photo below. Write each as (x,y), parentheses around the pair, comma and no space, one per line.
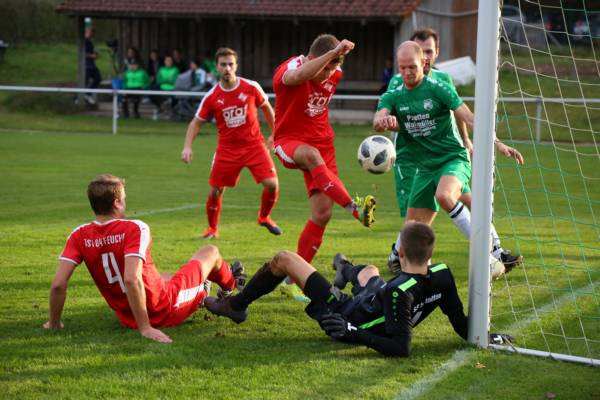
(268,200)
(214,203)
(321,209)
(345,271)
(505,256)
(259,162)
(266,279)
(321,165)
(224,172)
(187,287)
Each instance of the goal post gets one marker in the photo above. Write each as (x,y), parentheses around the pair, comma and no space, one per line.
(488,26)
(544,53)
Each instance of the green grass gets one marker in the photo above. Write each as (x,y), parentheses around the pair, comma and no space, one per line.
(278,353)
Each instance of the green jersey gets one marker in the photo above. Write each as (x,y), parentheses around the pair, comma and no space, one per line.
(137,79)
(425,122)
(397,81)
(166,77)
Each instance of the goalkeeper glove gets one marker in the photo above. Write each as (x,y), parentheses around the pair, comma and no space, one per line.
(501,338)
(337,327)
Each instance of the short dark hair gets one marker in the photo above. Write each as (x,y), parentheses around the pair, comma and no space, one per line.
(324,43)
(426,33)
(417,241)
(103,191)
(225,51)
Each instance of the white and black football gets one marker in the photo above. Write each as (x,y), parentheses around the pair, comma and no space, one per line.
(376,154)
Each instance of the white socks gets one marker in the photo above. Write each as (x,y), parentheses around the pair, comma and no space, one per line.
(461,217)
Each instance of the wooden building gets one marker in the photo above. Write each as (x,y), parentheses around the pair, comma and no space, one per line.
(267,32)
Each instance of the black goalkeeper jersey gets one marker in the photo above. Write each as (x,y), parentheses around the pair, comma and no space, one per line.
(390,310)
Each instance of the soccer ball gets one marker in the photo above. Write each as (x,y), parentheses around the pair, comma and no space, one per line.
(376,154)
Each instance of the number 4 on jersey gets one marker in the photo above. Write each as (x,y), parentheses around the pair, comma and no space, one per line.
(108,270)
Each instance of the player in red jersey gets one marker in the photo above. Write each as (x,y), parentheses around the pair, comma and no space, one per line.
(116,252)
(304,138)
(233,103)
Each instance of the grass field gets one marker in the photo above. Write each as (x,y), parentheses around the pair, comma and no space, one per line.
(547,210)
(278,353)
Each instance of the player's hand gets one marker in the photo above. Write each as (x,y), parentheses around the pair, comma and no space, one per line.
(49,325)
(337,327)
(501,338)
(156,335)
(187,155)
(387,122)
(270,143)
(510,152)
(344,47)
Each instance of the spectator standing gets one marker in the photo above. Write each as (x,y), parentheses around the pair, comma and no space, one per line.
(154,63)
(179,60)
(92,73)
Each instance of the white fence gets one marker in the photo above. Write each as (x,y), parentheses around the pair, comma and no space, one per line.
(351,97)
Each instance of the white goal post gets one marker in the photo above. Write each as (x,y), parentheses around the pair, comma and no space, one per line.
(566,315)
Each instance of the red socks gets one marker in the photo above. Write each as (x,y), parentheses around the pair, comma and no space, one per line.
(213,210)
(223,277)
(268,200)
(310,240)
(330,185)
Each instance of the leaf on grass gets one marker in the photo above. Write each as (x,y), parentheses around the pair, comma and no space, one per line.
(479,365)
(550,395)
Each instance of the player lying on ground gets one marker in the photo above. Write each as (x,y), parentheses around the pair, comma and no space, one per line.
(379,315)
(420,110)
(405,166)
(233,103)
(116,252)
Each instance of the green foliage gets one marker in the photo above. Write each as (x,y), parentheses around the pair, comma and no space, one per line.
(26,21)
(278,353)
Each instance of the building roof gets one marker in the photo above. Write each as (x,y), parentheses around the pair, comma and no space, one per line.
(331,9)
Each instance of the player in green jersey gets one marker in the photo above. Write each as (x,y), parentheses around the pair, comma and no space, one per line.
(421,110)
(405,168)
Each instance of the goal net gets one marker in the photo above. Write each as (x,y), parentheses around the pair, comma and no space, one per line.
(548,210)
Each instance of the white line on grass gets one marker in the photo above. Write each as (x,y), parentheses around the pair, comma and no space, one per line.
(462,357)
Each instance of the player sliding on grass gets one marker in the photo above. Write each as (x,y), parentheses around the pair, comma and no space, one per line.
(421,111)
(406,163)
(233,103)
(304,138)
(116,252)
(379,315)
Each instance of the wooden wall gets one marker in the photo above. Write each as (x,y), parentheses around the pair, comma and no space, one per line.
(263,45)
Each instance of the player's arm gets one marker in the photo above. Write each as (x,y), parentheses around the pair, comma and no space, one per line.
(192,131)
(383,120)
(58,293)
(464,133)
(339,328)
(312,67)
(267,110)
(452,306)
(136,296)
(464,114)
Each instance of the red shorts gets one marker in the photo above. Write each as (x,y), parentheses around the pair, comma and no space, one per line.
(228,163)
(185,291)
(285,148)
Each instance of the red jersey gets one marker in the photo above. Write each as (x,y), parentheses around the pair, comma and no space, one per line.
(302,110)
(235,111)
(103,247)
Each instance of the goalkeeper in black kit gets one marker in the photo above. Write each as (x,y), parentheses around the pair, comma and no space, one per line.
(379,314)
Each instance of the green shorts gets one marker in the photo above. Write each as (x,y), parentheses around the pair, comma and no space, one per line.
(424,183)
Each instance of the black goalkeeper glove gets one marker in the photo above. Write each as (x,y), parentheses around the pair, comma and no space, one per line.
(337,327)
(501,338)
